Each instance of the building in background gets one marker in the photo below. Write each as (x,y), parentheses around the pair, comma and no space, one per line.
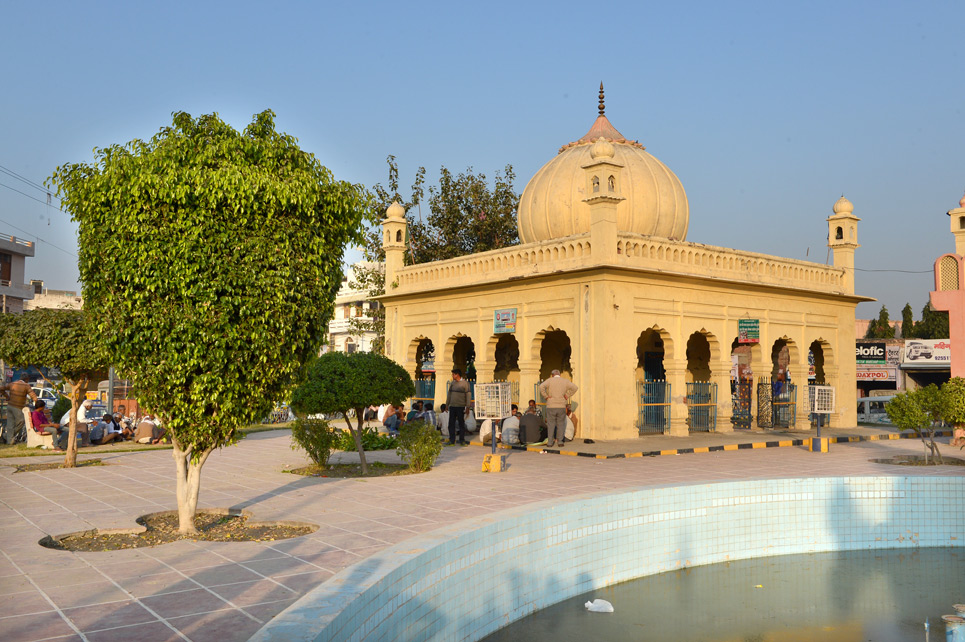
(350,303)
(57,299)
(13,290)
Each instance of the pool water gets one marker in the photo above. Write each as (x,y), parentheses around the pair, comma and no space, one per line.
(866,596)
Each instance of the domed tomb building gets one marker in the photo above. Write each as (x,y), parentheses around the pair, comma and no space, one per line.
(661,335)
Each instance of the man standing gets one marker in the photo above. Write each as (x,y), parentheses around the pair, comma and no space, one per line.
(16,393)
(457,400)
(556,390)
(84,422)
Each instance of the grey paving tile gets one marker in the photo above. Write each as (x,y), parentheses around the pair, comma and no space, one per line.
(190,602)
(109,616)
(36,626)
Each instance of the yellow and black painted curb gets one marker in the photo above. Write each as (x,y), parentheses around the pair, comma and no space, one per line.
(755,445)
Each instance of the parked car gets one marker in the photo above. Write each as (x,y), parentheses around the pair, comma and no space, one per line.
(48,395)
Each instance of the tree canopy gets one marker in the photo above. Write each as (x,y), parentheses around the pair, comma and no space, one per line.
(339,383)
(61,338)
(211,258)
(880,328)
(465,216)
(919,410)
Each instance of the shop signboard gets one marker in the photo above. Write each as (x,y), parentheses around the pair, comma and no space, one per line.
(928,351)
(893,355)
(870,353)
(748,330)
(504,321)
(877,373)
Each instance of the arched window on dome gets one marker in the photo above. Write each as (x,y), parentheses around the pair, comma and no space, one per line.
(398,236)
(596,184)
(839,234)
(611,183)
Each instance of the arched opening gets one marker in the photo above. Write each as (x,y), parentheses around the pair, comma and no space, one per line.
(816,357)
(425,356)
(350,346)
(742,356)
(611,183)
(554,353)
(398,236)
(596,184)
(780,359)
(698,358)
(464,357)
(507,359)
(839,234)
(650,355)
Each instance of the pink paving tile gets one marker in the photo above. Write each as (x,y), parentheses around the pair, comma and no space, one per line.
(14,584)
(248,593)
(170,582)
(304,582)
(268,610)
(332,559)
(150,632)
(184,603)
(67,577)
(281,566)
(37,626)
(222,626)
(109,616)
(135,568)
(23,603)
(86,594)
(225,574)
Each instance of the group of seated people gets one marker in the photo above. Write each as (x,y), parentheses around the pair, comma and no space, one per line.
(395,416)
(110,428)
(526,428)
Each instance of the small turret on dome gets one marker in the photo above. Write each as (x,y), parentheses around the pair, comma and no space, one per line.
(395,211)
(843,206)
(602,148)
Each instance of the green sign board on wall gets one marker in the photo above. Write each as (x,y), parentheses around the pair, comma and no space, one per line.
(748,330)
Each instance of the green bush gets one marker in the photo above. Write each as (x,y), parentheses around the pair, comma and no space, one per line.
(419,445)
(62,406)
(371,440)
(316,437)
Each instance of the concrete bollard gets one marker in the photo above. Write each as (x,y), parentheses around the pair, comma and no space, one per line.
(494,463)
(819,444)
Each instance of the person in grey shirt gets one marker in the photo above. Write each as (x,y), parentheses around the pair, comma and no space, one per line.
(457,400)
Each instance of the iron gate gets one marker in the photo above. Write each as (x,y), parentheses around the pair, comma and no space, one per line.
(702,406)
(425,389)
(741,401)
(776,405)
(653,407)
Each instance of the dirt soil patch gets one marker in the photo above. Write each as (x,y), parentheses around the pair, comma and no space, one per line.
(162,528)
(54,465)
(376,469)
(919,460)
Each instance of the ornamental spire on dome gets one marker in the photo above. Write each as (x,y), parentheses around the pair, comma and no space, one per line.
(602,129)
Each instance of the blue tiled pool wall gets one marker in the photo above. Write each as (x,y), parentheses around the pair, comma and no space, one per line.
(462,583)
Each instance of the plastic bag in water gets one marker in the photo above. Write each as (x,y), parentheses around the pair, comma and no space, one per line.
(599,606)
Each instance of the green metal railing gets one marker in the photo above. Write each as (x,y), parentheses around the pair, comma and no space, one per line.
(653,407)
(702,406)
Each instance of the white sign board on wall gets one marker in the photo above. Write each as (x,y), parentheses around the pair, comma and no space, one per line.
(928,351)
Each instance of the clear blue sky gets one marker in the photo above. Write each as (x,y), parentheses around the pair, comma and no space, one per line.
(768,112)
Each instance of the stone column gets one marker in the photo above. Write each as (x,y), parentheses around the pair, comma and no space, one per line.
(725,405)
(676,371)
(799,377)
(528,378)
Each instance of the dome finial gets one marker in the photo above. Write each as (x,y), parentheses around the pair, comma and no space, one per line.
(602,106)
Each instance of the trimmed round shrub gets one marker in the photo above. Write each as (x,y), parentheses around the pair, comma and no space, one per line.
(418,445)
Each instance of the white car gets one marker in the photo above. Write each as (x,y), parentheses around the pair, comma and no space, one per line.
(48,395)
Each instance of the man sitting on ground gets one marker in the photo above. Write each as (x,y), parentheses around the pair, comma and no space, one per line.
(442,421)
(42,423)
(510,427)
(532,429)
(533,409)
(148,432)
(415,414)
(393,420)
(428,414)
(124,425)
(103,432)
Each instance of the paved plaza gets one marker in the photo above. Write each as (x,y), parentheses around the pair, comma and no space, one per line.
(226,591)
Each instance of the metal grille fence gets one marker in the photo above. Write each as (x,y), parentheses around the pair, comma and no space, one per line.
(425,389)
(702,406)
(741,399)
(653,407)
(776,405)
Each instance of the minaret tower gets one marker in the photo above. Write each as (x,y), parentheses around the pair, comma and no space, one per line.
(393,242)
(603,185)
(957,217)
(843,239)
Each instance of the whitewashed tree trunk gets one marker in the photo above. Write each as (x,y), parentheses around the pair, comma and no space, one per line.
(188,485)
(76,388)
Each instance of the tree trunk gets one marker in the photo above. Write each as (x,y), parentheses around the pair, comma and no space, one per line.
(76,388)
(188,485)
(357,435)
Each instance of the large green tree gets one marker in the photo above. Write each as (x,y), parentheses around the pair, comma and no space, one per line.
(465,215)
(907,322)
(933,324)
(59,338)
(210,259)
(347,384)
(920,411)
